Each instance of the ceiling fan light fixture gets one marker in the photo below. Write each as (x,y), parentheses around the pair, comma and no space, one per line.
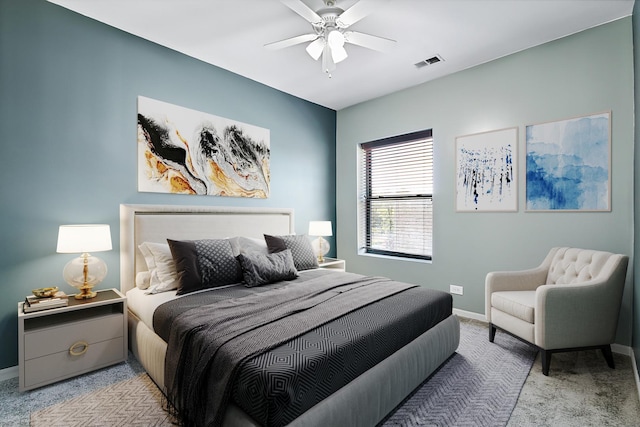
(335,40)
(315,48)
(330,31)
(328,64)
(338,54)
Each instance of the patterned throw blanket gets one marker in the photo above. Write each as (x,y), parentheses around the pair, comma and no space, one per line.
(226,333)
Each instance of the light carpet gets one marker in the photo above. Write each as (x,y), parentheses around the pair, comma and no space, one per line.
(478,386)
(581,390)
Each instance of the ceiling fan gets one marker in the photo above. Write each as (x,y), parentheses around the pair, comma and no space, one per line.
(330,31)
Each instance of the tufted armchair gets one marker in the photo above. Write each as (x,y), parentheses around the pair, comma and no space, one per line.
(570,302)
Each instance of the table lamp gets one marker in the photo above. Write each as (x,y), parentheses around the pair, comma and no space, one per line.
(319,229)
(86,271)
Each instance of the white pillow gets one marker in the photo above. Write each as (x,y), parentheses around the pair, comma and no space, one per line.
(143,279)
(246,245)
(162,269)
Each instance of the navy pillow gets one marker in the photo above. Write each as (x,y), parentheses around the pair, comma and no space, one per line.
(202,264)
(261,269)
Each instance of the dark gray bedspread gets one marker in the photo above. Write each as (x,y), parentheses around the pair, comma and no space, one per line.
(326,330)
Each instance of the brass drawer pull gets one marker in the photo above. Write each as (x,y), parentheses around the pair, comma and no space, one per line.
(73,349)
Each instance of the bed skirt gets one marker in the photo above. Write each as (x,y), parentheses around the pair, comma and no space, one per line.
(364,402)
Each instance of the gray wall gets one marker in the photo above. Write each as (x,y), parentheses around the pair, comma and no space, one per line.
(585,73)
(636,264)
(68,89)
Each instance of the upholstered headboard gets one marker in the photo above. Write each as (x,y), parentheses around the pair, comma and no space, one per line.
(156,223)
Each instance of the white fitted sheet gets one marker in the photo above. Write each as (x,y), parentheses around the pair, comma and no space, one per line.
(143,305)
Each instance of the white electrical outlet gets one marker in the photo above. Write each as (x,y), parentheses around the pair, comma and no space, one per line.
(455,289)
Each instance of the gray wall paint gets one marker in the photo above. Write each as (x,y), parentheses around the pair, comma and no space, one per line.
(636,264)
(585,73)
(68,89)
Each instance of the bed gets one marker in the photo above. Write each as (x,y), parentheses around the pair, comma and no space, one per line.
(364,399)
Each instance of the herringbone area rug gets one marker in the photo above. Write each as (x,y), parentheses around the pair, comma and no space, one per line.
(478,386)
(132,402)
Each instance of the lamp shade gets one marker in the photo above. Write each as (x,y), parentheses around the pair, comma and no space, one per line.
(320,228)
(81,238)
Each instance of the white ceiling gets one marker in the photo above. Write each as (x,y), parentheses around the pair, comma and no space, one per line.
(231,34)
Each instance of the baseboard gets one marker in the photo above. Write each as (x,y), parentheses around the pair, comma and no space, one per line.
(8,373)
(634,366)
(622,349)
(469,315)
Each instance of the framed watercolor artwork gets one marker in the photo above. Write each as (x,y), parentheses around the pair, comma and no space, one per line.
(486,171)
(186,151)
(569,164)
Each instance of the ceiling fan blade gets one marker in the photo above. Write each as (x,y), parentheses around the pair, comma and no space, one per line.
(380,44)
(291,41)
(358,11)
(303,10)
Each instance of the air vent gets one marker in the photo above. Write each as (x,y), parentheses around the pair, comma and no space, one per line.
(429,61)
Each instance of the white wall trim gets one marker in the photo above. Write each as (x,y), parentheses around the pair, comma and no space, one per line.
(470,315)
(622,349)
(634,366)
(8,373)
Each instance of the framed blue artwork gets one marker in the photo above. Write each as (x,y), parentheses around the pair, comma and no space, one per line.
(487,171)
(568,164)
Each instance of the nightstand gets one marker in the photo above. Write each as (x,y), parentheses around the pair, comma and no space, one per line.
(333,264)
(64,342)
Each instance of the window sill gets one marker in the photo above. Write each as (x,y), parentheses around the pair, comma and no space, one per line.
(395,258)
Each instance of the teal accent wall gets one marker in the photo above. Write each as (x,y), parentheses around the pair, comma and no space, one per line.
(588,72)
(68,90)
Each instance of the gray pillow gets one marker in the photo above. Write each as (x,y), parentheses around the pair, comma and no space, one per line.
(300,247)
(202,264)
(260,269)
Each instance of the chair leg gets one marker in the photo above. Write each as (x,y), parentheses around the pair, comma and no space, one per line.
(546,361)
(492,332)
(608,356)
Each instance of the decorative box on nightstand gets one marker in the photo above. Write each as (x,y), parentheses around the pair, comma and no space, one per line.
(63,342)
(333,264)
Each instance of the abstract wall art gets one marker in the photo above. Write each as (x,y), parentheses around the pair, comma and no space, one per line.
(486,174)
(569,164)
(185,151)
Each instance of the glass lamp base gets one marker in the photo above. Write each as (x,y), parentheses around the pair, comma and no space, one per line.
(320,248)
(83,273)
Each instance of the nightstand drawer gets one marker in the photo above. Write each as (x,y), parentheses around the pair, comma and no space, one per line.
(46,369)
(46,341)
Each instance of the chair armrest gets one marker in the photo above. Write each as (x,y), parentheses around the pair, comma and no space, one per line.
(523,280)
(581,315)
(569,316)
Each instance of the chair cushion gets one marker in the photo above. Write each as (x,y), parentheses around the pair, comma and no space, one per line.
(518,304)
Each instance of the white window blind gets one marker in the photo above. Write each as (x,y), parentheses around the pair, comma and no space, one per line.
(396,210)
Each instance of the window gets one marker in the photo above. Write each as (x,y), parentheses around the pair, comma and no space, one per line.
(396,209)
